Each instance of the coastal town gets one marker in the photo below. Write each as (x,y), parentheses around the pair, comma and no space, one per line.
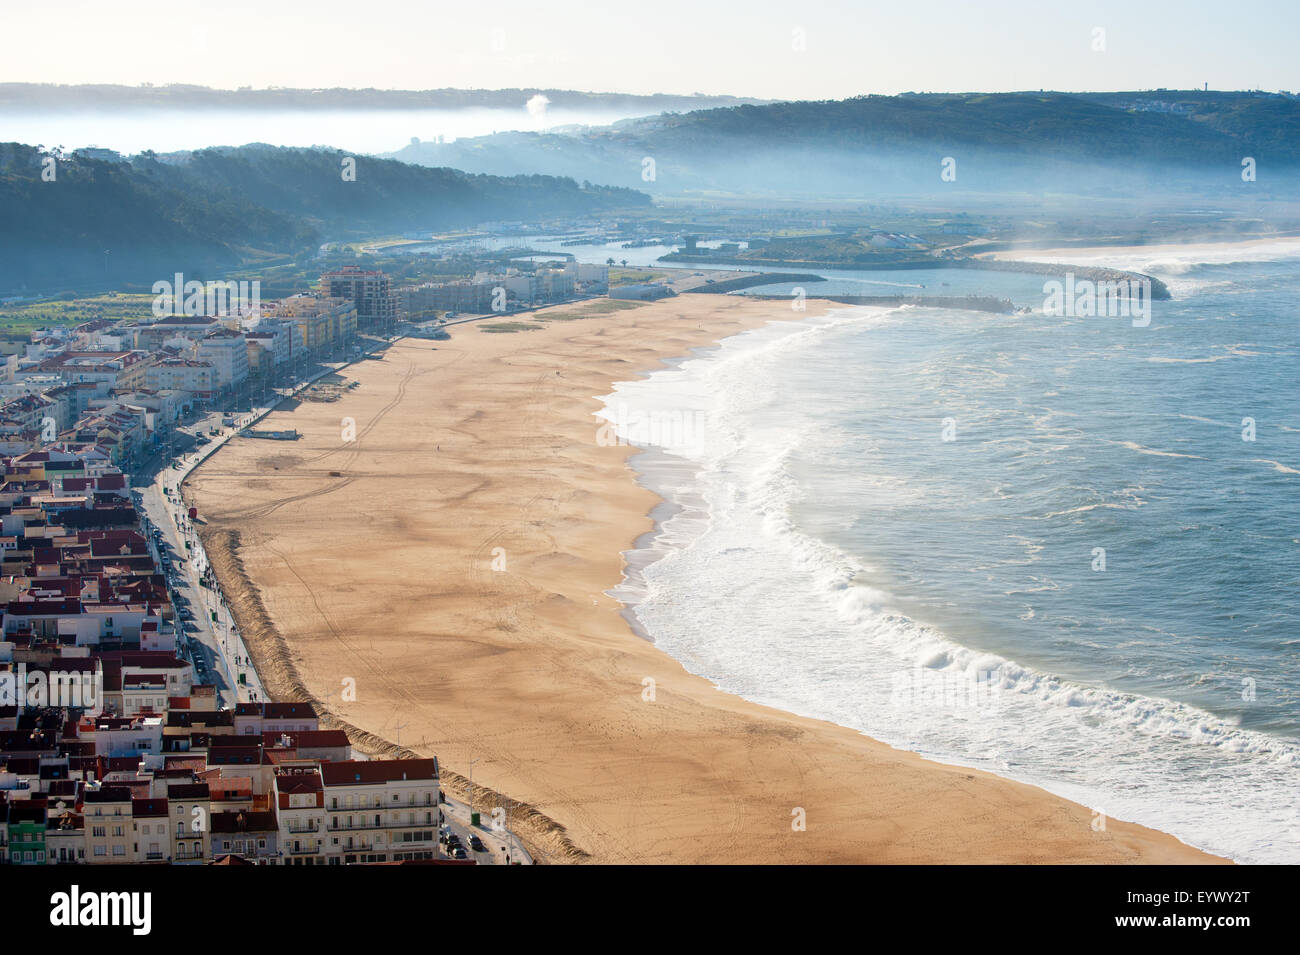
(789,437)
(133,725)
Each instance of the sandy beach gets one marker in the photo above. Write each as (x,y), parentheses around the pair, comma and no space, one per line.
(443,536)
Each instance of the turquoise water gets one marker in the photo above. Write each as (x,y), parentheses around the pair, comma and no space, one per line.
(831,553)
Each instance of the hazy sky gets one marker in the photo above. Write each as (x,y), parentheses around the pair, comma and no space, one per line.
(743,47)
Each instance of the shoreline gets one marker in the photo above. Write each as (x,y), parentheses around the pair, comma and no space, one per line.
(672,478)
(528,669)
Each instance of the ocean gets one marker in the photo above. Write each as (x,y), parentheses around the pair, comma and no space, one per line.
(1065,550)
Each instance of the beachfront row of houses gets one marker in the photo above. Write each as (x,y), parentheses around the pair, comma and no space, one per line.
(490,292)
(119,385)
(113,751)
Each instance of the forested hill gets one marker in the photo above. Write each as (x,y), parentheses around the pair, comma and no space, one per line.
(877,145)
(113,218)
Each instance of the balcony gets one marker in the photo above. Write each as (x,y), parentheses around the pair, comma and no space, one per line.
(423,804)
(337,826)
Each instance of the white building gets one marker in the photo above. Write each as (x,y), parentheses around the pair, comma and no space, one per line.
(227,352)
(381,810)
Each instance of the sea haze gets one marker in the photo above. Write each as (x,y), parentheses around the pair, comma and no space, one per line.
(135,130)
(826,551)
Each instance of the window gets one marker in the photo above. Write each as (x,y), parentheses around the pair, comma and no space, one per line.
(119,850)
(101,851)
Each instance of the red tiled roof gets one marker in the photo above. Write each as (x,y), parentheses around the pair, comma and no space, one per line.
(149,808)
(355,772)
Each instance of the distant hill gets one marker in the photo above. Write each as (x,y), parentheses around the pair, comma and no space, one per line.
(1107,143)
(106,217)
(50,96)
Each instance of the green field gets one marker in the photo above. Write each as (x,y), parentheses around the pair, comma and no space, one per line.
(619,277)
(20,319)
(598,306)
(506,327)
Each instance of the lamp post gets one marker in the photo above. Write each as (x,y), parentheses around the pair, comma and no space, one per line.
(471,790)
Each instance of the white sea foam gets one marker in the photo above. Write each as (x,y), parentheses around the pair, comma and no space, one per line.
(1172,264)
(734,589)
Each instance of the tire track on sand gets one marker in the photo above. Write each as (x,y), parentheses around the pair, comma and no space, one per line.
(542,835)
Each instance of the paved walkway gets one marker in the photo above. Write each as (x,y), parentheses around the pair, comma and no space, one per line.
(218,643)
(500,845)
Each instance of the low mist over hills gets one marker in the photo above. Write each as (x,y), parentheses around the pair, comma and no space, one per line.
(116,218)
(44,96)
(1106,143)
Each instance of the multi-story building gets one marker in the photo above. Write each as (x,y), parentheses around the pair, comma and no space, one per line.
(255,719)
(65,837)
(227,352)
(191,821)
(596,277)
(300,807)
(26,834)
(109,827)
(321,321)
(198,378)
(418,302)
(123,370)
(554,284)
(149,769)
(370,290)
(176,330)
(381,811)
(47,413)
(252,835)
(278,336)
(150,842)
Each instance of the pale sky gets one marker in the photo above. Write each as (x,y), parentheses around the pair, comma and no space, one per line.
(741,47)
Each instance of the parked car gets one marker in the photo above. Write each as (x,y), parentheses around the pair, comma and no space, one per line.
(459,853)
